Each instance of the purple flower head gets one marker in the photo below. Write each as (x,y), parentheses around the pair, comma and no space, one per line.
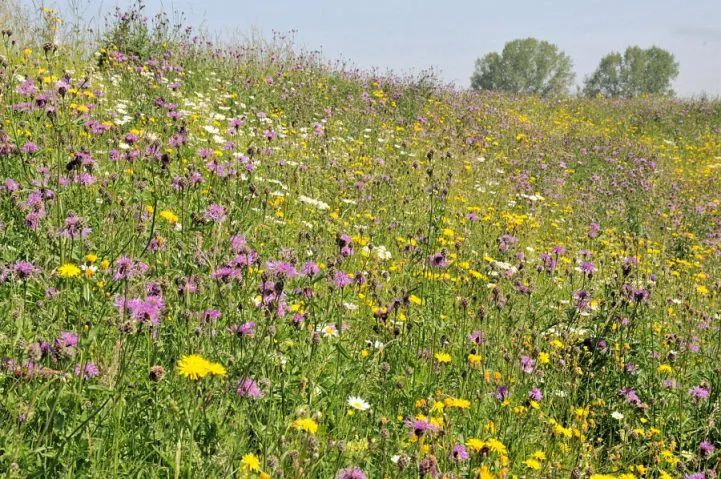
(698,393)
(706,448)
(210,315)
(587,267)
(438,260)
(583,299)
(310,269)
(459,453)
(505,242)
(593,230)
(74,228)
(66,339)
(29,148)
(215,213)
(248,388)
(127,268)
(282,269)
(350,473)
(26,87)
(429,467)
(341,279)
(90,370)
(146,310)
(631,396)
(528,364)
(478,337)
(24,269)
(535,394)
(244,330)
(549,262)
(502,393)
(419,427)
(238,244)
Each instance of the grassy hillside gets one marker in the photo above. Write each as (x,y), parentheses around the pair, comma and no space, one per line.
(249,262)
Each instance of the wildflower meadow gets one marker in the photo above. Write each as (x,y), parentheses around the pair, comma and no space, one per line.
(248,261)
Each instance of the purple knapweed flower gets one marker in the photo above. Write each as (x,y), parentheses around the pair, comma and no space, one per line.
(248,388)
(350,473)
(215,213)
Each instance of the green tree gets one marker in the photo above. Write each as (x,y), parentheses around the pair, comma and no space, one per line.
(525,67)
(637,72)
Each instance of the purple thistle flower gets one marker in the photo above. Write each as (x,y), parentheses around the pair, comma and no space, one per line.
(126,269)
(282,268)
(215,213)
(310,269)
(706,448)
(535,394)
(238,244)
(350,473)
(478,337)
(66,339)
(631,396)
(90,370)
(419,427)
(587,267)
(593,230)
(699,393)
(146,310)
(438,260)
(24,269)
(341,279)
(428,467)
(74,228)
(244,330)
(502,393)
(248,388)
(459,453)
(528,364)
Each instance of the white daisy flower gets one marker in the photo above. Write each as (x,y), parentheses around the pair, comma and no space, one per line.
(357,403)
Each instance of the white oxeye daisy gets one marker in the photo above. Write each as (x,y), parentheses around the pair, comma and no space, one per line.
(358,403)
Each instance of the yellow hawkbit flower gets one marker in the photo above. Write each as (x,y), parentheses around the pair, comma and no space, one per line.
(306,424)
(443,358)
(68,270)
(250,462)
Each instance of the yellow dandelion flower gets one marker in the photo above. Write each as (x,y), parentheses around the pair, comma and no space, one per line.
(169,216)
(68,270)
(539,455)
(194,367)
(496,446)
(475,444)
(459,403)
(216,369)
(443,358)
(250,462)
(532,464)
(306,424)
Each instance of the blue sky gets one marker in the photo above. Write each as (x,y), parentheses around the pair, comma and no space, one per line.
(410,35)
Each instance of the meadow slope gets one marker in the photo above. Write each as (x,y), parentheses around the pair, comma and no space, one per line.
(220,262)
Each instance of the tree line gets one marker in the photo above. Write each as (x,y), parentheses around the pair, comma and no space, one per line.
(534,67)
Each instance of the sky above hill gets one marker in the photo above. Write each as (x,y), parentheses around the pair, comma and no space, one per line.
(411,35)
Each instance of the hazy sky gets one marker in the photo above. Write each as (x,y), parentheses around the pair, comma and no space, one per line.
(409,35)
